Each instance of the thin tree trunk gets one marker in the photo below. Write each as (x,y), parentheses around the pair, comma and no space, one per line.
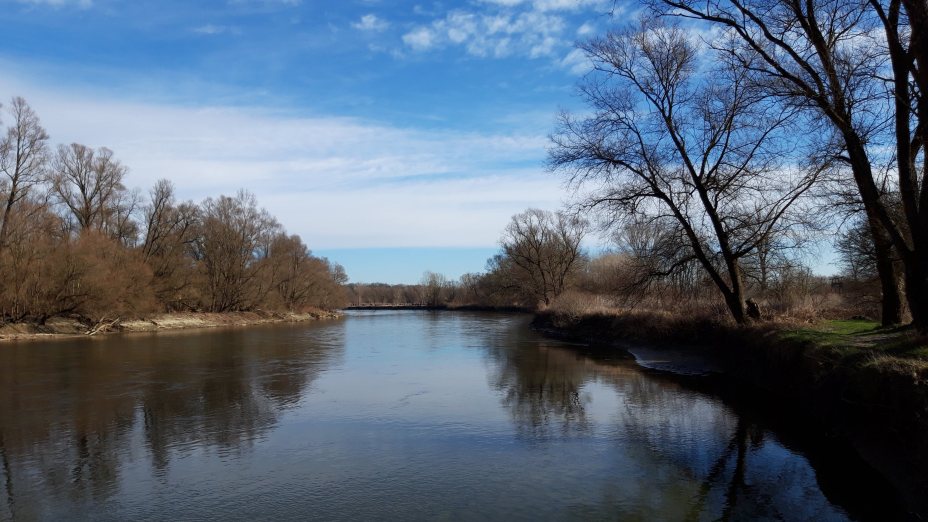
(736,299)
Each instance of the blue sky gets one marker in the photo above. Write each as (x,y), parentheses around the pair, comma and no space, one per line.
(393,136)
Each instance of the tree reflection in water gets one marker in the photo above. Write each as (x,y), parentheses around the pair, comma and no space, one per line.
(423,415)
(542,390)
(80,407)
(680,454)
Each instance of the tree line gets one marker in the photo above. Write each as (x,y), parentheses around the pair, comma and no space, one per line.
(75,241)
(735,130)
(721,140)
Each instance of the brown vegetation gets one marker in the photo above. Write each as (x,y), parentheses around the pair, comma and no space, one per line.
(74,241)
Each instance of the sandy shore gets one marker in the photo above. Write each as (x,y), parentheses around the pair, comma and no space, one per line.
(62,327)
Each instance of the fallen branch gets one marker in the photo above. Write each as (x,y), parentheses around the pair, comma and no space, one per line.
(102,326)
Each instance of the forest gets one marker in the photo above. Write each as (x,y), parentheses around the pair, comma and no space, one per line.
(75,241)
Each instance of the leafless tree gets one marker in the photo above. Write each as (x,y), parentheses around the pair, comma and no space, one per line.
(169,233)
(542,249)
(659,253)
(234,236)
(435,288)
(861,66)
(22,158)
(675,138)
(88,183)
(300,279)
(856,251)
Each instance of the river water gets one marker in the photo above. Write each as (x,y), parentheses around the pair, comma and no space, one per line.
(396,416)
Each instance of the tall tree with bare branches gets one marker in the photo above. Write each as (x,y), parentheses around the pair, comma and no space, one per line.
(22,159)
(861,66)
(672,138)
(88,183)
(542,249)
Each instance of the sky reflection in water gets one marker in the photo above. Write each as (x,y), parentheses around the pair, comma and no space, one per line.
(382,415)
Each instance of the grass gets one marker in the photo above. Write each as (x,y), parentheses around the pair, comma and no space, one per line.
(832,333)
(865,342)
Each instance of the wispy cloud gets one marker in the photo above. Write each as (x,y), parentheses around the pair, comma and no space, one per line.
(551,5)
(420,39)
(338,182)
(577,62)
(586,29)
(371,22)
(267,3)
(82,4)
(531,33)
(502,28)
(211,29)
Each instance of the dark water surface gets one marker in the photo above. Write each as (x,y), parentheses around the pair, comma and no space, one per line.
(392,415)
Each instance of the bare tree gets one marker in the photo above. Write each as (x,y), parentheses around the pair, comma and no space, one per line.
(860,66)
(542,249)
(434,288)
(300,279)
(659,253)
(234,236)
(856,251)
(22,158)
(88,183)
(169,233)
(672,138)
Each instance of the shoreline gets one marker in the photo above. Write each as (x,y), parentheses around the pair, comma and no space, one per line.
(879,410)
(72,328)
(443,308)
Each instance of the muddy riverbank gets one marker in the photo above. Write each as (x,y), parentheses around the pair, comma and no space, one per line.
(73,327)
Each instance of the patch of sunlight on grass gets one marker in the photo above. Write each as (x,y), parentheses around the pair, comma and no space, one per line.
(831,333)
(856,339)
(851,327)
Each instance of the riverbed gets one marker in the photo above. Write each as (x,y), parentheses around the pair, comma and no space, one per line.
(398,415)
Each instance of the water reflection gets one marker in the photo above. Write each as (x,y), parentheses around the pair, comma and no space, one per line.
(682,454)
(72,414)
(542,388)
(399,416)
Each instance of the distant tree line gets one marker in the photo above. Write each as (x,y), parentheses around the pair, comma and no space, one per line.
(75,241)
(540,257)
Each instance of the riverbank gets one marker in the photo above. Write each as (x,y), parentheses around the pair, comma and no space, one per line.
(70,327)
(850,379)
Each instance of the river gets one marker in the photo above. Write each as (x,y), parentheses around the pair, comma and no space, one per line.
(397,415)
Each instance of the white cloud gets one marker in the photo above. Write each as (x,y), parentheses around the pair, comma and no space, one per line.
(82,4)
(420,38)
(371,22)
(577,62)
(267,3)
(500,28)
(211,30)
(586,29)
(531,33)
(553,5)
(338,182)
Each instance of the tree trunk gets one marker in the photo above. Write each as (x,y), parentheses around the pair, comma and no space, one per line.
(737,307)
(916,284)
(892,304)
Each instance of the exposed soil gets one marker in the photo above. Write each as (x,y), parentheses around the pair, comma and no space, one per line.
(65,327)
